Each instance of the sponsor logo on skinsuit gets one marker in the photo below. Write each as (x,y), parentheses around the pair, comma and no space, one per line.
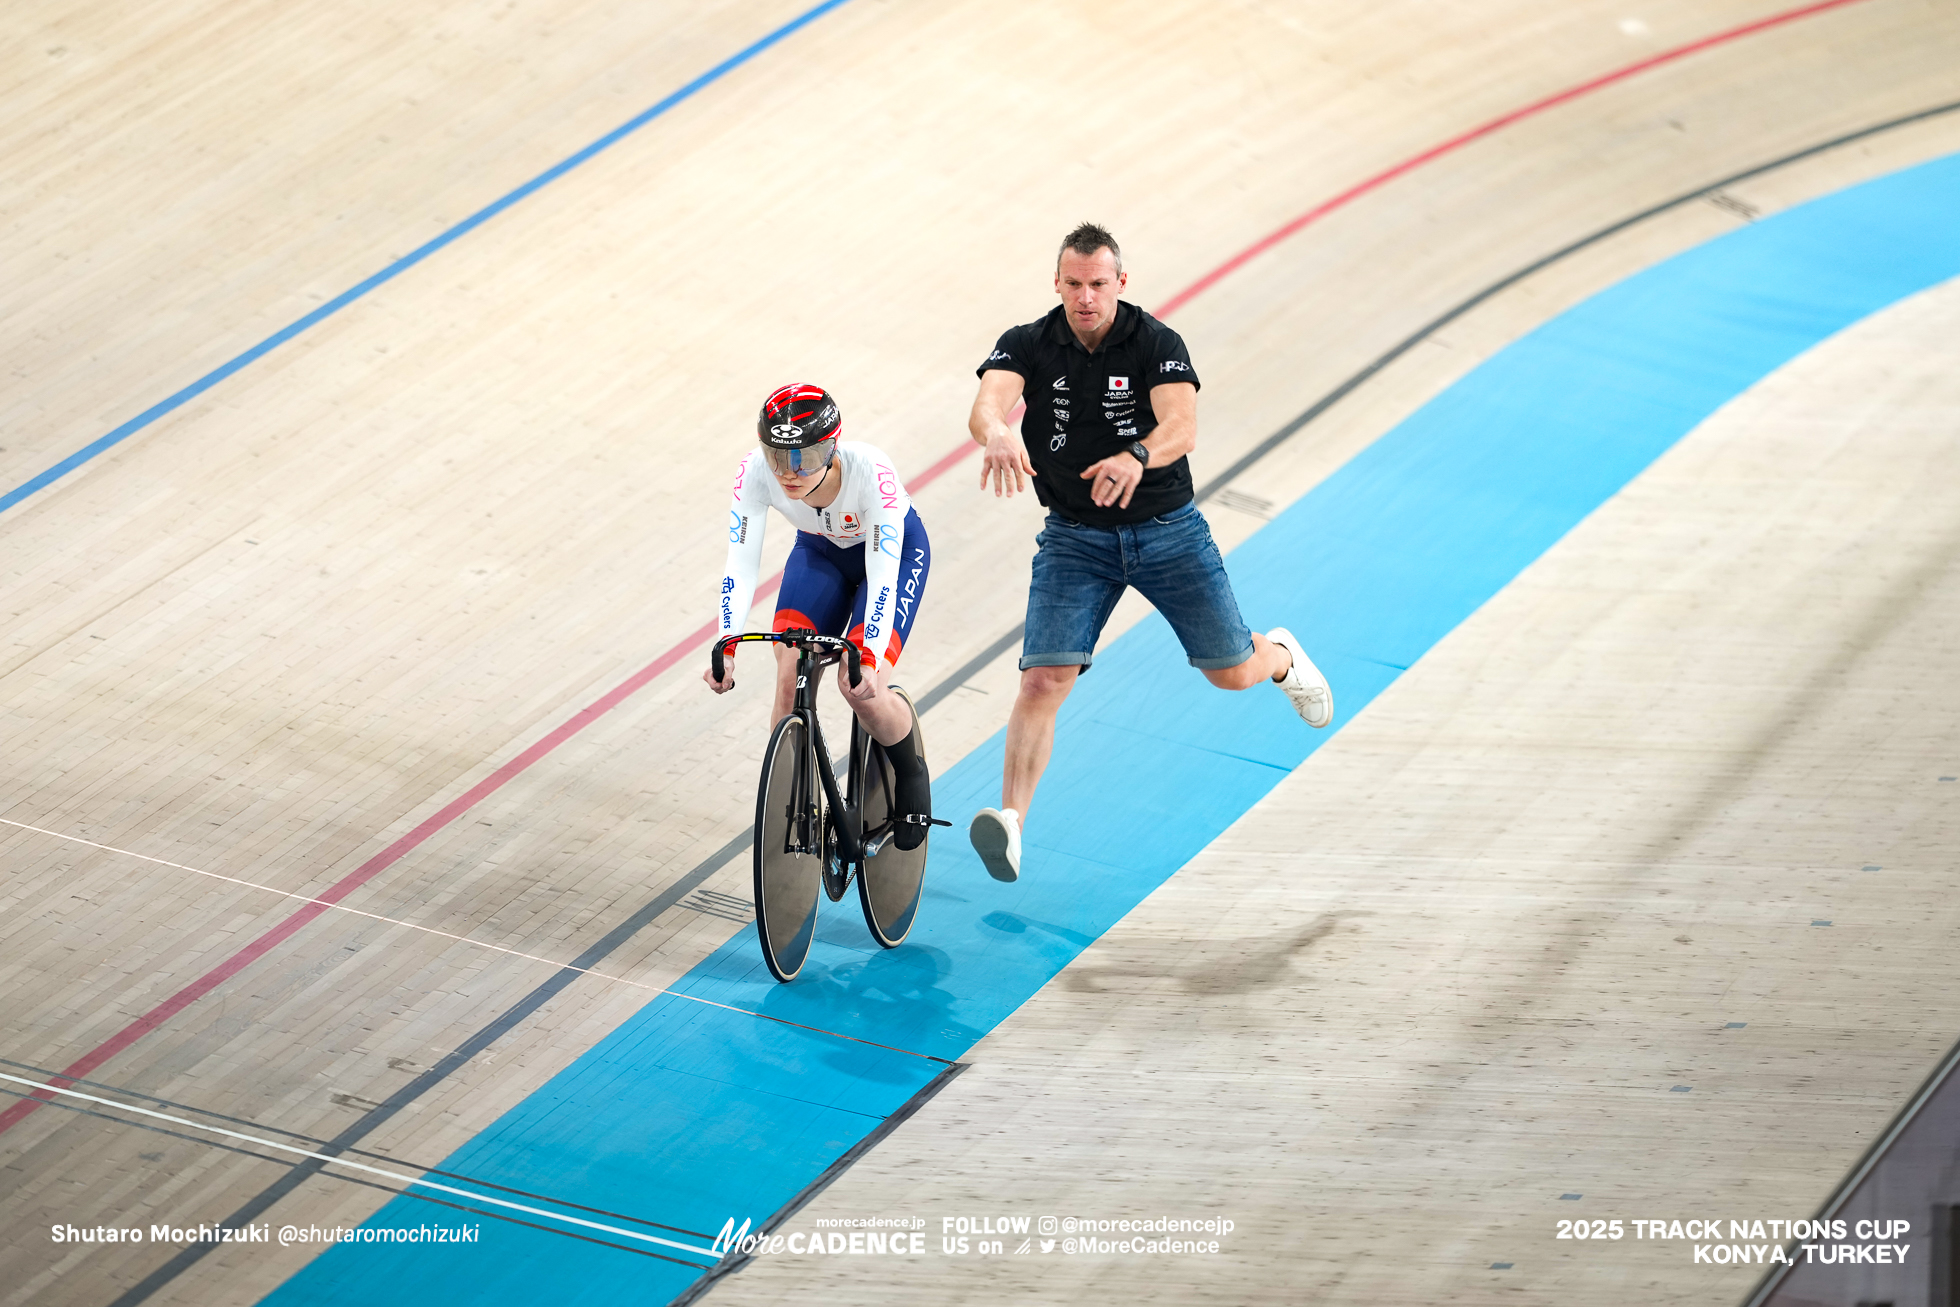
(911,591)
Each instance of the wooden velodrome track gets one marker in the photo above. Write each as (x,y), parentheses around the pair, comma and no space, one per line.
(323,627)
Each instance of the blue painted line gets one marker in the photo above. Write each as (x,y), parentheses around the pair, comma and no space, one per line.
(409,260)
(693,1115)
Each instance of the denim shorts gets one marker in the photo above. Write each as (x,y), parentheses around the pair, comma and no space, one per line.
(1081,571)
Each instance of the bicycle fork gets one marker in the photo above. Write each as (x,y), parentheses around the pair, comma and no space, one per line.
(806,828)
(846,824)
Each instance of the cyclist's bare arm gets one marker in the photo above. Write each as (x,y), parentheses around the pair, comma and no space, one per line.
(1006,458)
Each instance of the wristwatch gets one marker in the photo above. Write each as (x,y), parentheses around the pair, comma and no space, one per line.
(1141,451)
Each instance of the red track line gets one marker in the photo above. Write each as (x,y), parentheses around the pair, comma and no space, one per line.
(1321,210)
(368,870)
(944,465)
(496,780)
(395,852)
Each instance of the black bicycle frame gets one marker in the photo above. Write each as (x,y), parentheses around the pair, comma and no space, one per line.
(814,653)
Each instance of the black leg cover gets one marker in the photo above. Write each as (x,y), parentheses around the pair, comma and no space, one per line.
(914,797)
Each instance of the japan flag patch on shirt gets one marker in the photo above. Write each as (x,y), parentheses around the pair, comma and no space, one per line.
(1119,383)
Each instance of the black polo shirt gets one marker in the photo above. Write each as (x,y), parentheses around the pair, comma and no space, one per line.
(1083,407)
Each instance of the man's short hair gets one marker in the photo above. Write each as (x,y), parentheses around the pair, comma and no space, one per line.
(1085,240)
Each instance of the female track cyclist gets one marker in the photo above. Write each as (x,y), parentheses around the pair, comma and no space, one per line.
(858,570)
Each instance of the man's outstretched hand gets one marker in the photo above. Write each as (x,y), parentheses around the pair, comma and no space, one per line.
(1114,480)
(1006,462)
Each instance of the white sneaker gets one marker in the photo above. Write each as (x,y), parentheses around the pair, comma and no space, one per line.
(1312,697)
(996,836)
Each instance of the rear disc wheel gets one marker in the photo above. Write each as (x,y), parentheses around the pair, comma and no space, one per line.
(890,884)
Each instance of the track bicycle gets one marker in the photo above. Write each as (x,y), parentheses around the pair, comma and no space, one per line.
(809,834)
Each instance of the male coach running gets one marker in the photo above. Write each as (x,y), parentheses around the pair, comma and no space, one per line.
(1112,412)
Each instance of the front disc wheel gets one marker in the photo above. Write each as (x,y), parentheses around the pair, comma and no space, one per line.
(788,840)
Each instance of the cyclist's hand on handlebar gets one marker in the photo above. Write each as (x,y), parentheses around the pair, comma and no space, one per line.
(867,686)
(727,683)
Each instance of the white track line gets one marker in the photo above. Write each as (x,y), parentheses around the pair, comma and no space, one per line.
(342,907)
(655,990)
(361,1166)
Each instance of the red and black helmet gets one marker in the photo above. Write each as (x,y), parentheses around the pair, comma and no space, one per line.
(798,429)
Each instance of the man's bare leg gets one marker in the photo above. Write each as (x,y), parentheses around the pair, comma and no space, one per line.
(1278,657)
(1268,663)
(1031,733)
(996,832)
